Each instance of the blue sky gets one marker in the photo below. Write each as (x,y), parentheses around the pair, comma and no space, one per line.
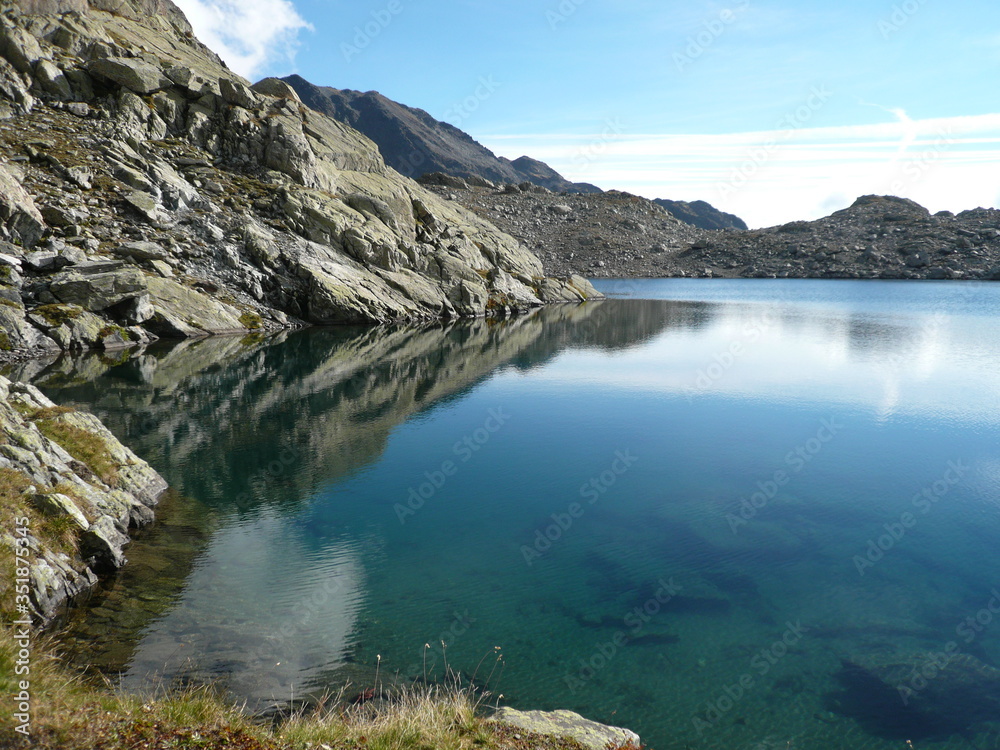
(771,109)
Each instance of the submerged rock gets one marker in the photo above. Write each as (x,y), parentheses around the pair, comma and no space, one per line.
(919,696)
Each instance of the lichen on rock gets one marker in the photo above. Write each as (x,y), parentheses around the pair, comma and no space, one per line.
(80,488)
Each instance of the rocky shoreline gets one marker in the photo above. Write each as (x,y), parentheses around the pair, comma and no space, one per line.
(619,235)
(78,491)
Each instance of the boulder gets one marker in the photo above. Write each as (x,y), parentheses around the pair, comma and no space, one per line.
(52,80)
(95,292)
(590,734)
(444,180)
(17,333)
(132,73)
(146,205)
(373,207)
(277,88)
(20,48)
(195,83)
(57,504)
(101,546)
(235,93)
(18,212)
(179,312)
(141,251)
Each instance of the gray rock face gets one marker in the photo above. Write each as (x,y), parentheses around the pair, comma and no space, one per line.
(134,74)
(101,500)
(96,292)
(19,215)
(228,207)
(588,733)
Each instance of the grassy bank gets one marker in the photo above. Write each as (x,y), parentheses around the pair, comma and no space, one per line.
(68,713)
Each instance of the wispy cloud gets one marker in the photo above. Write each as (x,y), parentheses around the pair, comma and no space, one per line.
(944,163)
(248,34)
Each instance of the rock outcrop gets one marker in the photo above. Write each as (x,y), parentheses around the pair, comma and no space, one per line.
(78,488)
(415,144)
(148,191)
(589,734)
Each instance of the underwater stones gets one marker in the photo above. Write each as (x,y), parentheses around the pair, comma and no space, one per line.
(924,693)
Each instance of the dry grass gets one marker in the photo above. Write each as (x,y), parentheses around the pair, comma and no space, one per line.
(411,718)
(71,714)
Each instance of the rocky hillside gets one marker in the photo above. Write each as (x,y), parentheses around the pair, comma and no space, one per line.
(414,143)
(147,191)
(621,235)
(701,214)
(605,234)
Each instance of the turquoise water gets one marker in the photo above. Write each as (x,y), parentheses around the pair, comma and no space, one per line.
(688,512)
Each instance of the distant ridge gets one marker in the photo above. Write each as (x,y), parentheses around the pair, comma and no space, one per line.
(414,143)
(701,214)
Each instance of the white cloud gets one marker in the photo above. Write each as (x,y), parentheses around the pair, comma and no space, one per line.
(944,164)
(247,34)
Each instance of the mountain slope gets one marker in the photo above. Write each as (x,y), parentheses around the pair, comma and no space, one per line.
(414,143)
(146,190)
(701,214)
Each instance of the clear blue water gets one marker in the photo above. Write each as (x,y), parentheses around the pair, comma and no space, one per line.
(665,509)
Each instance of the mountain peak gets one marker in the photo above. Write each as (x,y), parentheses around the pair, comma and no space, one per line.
(414,143)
